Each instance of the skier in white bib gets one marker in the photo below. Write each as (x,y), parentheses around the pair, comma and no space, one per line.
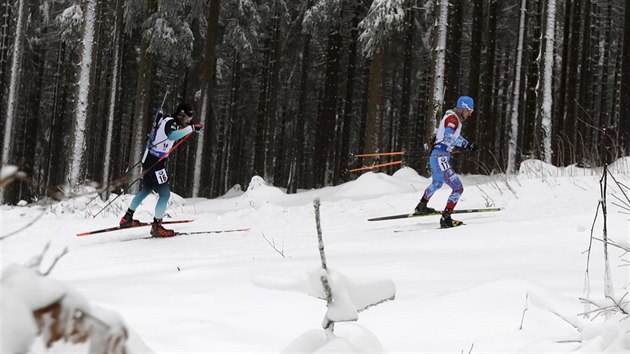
(447,137)
(167,129)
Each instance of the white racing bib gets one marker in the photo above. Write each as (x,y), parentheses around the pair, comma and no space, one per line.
(161,176)
(443,163)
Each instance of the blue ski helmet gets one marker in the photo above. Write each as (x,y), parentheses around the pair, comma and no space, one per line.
(465,102)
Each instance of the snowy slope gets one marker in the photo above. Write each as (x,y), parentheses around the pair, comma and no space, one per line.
(455,289)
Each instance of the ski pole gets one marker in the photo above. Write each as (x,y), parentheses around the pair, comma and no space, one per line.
(113,200)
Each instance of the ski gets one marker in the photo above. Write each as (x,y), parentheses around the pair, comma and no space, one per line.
(222,231)
(424,228)
(116,228)
(243,229)
(412,215)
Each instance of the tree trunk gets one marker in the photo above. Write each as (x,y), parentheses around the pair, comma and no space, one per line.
(453,51)
(476,45)
(516,92)
(348,111)
(571,109)
(4,41)
(260,153)
(79,125)
(14,84)
(560,102)
(203,156)
(405,95)
(624,114)
(142,109)
(485,119)
(374,103)
(272,99)
(545,77)
(297,146)
(436,100)
(529,140)
(113,96)
(583,108)
(326,131)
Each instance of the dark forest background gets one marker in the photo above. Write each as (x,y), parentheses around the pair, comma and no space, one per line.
(296,88)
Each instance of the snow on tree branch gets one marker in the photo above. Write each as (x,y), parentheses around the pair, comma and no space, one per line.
(383,19)
(34,305)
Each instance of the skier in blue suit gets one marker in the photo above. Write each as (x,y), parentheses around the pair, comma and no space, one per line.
(447,138)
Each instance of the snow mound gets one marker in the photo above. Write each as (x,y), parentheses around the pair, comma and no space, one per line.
(349,338)
(260,193)
(407,173)
(235,191)
(371,183)
(621,166)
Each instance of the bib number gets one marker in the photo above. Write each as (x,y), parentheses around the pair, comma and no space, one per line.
(443,163)
(161,176)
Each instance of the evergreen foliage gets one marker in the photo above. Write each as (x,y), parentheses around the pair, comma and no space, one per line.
(300,86)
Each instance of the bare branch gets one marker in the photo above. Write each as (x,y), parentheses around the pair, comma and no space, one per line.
(612,244)
(524,310)
(25,226)
(57,258)
(620,303)
(272,243)
(36,261)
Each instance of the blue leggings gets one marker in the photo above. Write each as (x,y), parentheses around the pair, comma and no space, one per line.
(164,193)
(441,172)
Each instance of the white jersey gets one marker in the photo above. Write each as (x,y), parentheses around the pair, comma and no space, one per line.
(448,132)
(159,143)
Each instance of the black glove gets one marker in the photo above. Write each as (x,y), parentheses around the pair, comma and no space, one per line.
(197,127)
(472,147)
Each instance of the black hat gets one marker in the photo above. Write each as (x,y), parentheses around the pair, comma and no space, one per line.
(185,108)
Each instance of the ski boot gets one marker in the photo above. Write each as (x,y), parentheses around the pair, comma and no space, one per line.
(128,220)
(157,230)
(422,209)
(447,222)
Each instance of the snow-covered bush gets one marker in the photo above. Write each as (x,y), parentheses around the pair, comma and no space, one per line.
(606,329)
(34,305)
(344,297)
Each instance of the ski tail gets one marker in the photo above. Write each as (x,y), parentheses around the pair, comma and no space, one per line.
(116,228)
(243,229)
(482,210)
(398,216)
(412,215)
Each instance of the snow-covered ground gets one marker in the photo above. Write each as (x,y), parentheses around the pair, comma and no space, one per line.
(457,290)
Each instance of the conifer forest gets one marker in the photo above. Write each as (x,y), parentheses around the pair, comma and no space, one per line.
(292,90)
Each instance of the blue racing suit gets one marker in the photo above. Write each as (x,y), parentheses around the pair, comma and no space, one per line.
(447,138)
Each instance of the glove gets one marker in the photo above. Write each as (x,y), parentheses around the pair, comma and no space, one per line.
(197,127)
(472,147)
